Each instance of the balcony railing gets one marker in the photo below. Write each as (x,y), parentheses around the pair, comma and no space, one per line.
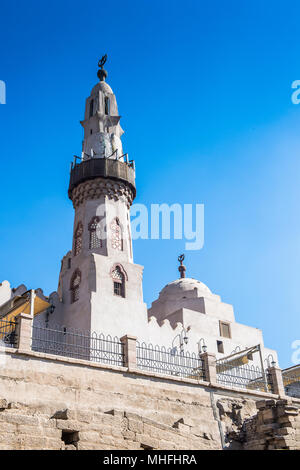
(69,342)
(160,360)
(102,167)
(8,333)
(247,377)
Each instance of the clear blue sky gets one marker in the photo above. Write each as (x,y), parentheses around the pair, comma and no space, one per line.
(204,88)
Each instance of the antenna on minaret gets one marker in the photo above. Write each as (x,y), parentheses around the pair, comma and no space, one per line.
(102,74)
(181,268)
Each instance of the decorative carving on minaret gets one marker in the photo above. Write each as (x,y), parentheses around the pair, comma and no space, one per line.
(116,235)
(181,268)
(97,187)
(102,74)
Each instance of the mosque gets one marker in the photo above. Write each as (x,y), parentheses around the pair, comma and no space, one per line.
(100,288)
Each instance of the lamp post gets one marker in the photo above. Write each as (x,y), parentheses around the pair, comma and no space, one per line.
(183,339)
(201,346)
(270,360)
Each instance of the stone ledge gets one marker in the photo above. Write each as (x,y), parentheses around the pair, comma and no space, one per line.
(69,360)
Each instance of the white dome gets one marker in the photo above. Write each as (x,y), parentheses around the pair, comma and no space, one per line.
(184,288)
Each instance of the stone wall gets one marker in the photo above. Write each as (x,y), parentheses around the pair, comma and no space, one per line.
(28,427)
(275,426)
(50,402)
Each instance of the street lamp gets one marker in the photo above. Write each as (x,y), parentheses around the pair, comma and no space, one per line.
(183,339)
(201,346)
(271,360)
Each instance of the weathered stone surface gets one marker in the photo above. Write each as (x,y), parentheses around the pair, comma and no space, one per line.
(275,426)
(67,406)
(3,404)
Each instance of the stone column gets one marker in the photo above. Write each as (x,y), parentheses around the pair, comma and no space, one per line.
(24,331)
(276,381)
(129,343)
(210,367)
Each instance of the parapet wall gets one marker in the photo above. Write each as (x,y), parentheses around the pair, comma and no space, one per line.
(51,402)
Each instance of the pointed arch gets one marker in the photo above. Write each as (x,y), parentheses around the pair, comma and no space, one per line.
(75,285)
(78,239)
(95,239)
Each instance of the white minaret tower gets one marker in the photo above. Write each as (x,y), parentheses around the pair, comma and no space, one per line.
(100,287)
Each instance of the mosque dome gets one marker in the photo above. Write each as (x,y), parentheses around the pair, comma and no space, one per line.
(184,288)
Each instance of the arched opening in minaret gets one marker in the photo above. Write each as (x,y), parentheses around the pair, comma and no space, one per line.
(107,105)
(95,236)
(78,239)
(91,108)
(118,281)
(74,285)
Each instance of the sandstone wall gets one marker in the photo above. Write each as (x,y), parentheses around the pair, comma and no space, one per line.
(49,402)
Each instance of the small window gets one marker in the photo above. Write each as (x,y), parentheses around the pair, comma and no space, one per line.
(91,131)
(69,263)
(107,105)
(118,281)
(118,288)
(220,347)
(225,329)
(91,108)
(75,284)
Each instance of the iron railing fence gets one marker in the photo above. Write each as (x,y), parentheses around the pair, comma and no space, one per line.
(8,337)
(159,359)
(292,383)
(62,341)
(246,376)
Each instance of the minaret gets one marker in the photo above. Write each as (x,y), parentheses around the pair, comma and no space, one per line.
(100,286)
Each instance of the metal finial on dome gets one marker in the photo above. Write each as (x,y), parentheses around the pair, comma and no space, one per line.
(102,74)
(181,268)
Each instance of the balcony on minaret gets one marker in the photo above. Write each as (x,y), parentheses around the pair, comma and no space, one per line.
(91,168)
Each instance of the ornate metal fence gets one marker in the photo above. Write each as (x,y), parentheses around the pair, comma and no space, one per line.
(160,360)
(291,381)
(246,376)
(8,333)
(74,343)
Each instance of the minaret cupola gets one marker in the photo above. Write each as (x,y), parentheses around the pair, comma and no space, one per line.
(102,130)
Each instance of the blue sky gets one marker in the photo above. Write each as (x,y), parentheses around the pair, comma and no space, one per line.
(204,90)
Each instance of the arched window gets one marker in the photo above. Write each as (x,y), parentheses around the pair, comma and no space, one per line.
(91,108)
(78,239)
(95,236)
(118,281)
(107,105)
(74,286)
(116,235)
